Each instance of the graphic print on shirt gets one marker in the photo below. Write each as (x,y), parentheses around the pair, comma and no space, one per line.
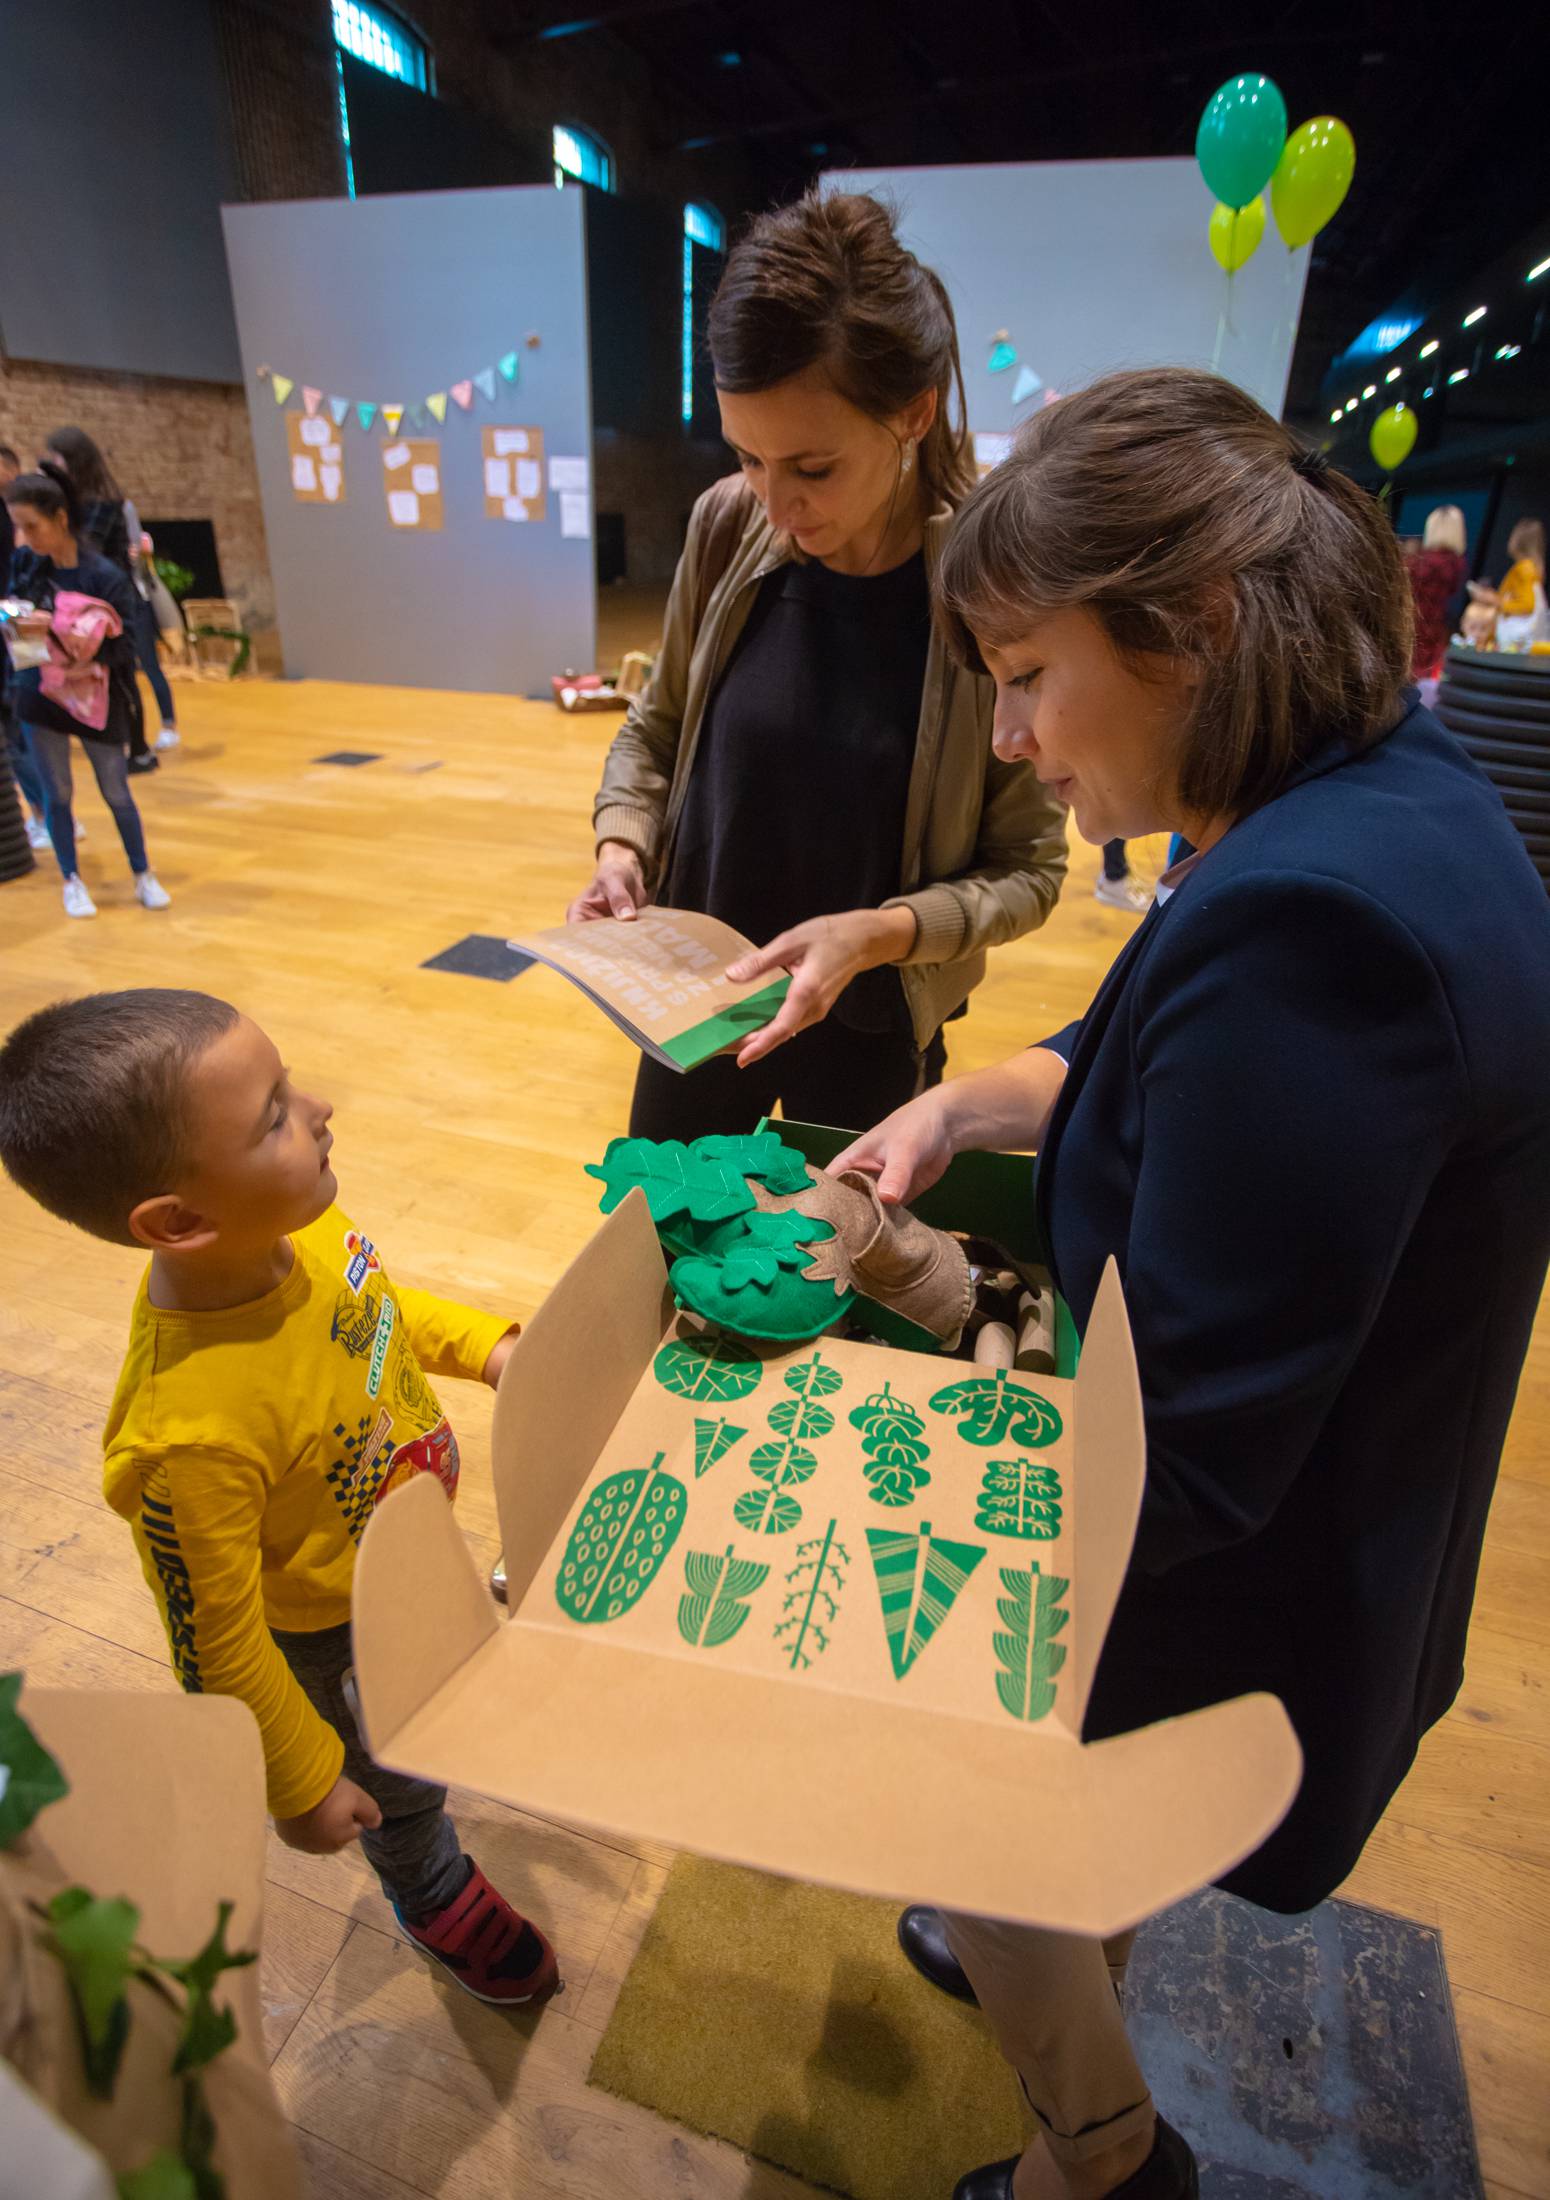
(161,1535)
(362,1259)
(355,1323)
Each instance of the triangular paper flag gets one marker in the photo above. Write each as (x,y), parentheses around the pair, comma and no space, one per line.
(392,415)
(1027,382)
(282,385)
(339,407)
(486,381)
(311,399)
(463,394)
(417,416)
(366,414)
(438,404)
(1002,356)
(508,366)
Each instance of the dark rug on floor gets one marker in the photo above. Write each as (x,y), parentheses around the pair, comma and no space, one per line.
(1309,2058)
(350,756)
(480,955)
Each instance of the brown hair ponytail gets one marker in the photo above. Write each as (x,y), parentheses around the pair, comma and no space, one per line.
(1194,526)
(826,283)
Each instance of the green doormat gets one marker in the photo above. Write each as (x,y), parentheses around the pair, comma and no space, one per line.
(784,2018)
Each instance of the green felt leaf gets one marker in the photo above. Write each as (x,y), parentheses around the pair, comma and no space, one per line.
(788,1309)
(685,1189)
(707,1368)
(783,1463)
(94,1940)
(763,1154)
(29,1778)
(767,1512)
(748,1266)
(164,2177)
(996,1409)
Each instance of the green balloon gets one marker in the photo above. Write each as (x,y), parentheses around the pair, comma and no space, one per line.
(1312,178)
(1393,436)
(1240,138)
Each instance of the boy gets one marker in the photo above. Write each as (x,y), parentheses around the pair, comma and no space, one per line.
(272,1394)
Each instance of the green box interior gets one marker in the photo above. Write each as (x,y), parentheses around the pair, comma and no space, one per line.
(987,1194)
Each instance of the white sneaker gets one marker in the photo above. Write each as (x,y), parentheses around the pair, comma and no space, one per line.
(150,892)
(1123,893)
(168,738)
(37,834)
(78,903)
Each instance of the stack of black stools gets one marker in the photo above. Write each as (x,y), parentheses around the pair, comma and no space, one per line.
(1499,707)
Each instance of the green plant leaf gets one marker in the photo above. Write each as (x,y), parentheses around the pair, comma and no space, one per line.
(164,2177)
(198,2142)
(713,1368)
(94,1940)
(29,1777)
(995,1409)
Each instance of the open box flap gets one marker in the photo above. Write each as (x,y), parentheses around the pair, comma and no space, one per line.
(747,1769)
(1111,1430)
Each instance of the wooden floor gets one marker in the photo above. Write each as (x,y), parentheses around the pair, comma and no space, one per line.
(311,895)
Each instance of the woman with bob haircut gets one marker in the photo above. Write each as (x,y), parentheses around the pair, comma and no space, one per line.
(1309,1115)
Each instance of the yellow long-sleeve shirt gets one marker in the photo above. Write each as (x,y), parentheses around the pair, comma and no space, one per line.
(247,1448)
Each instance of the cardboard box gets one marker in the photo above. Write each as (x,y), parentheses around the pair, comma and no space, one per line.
(883,1696)
(166,1807)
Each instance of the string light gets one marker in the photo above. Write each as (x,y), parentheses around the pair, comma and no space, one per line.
(1393,374)
(1534,273)
(1427,349)
(1476,313)
(1459,374)
(1337,415)
(1370,391)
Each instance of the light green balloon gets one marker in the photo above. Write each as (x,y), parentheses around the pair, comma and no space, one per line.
(1234,233)
(1312,178)
(1393,436)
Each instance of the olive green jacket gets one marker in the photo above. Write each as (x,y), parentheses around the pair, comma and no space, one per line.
(984,844)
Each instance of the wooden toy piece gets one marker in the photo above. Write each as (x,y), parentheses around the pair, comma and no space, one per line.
(995,1346)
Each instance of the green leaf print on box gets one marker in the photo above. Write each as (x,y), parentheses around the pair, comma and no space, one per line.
(814,1378)
(918,1580)
(627,1527)
(996,1409)
(800,1417)
(712,1441)
(893,1437)
(1020,1497)
(812,1600)
(716,1605)
(1028,1654)
(767,1512)
(716,1369)
(780,1464)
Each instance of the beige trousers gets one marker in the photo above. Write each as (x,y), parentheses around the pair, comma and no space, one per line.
(1051,2000)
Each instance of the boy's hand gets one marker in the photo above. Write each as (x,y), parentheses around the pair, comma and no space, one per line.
(500,1353)
(345,1812)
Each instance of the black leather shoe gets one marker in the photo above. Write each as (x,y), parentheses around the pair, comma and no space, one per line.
(1170,2172)
(145,763)
(923,1938)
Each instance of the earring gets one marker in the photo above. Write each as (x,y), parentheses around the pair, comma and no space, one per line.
(909,457)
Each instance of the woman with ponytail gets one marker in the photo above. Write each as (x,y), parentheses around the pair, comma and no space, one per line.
(105,514)
(51,564)
(808,764)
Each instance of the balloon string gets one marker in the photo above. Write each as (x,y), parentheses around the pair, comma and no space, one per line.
(1221,331)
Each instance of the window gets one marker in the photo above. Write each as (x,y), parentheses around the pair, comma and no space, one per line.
(703,226)
(586,158)
(376,36)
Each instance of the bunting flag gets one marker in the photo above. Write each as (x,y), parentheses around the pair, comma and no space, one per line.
(463,394)
(340,408)
(367,411)
(282,385)
(367,414)
(437,405)
(311,399)
(392,415)
(485,379)
(508,366)
(417,416)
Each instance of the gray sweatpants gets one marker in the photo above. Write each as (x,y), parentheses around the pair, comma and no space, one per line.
(415,1852)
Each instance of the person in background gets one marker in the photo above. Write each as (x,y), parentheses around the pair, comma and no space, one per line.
(24,770)
(52,557)
(1437,574)
(1116,888)
(1477,628)
(105,525)
(806,765)
(143,573)
(1522,617)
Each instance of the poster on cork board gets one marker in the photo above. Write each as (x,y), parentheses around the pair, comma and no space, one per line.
(316,450)
(411,479)
(514,474)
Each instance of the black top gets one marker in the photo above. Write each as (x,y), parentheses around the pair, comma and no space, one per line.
(105,529)
(39,580)
(796,799)
(1309,1115)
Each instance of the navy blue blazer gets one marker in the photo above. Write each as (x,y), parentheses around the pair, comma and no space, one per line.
(1309,1113)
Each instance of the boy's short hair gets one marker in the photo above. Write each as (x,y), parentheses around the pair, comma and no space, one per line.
(92,1114)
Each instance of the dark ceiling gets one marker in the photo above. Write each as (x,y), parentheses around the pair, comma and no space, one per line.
(1451,112)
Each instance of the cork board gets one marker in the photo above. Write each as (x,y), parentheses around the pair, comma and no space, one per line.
(514,473)
(316,459)
(411,482)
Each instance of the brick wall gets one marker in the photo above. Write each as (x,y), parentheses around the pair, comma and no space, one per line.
(180,450)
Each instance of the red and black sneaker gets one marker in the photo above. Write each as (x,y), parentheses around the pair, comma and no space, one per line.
(489,1948)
